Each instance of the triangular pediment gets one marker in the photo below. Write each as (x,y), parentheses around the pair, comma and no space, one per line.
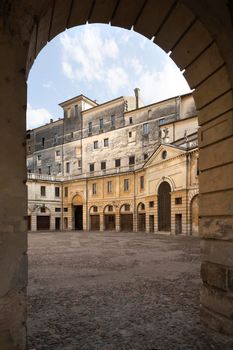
(163,153)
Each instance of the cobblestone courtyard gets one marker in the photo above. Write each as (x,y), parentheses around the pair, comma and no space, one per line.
(116,291)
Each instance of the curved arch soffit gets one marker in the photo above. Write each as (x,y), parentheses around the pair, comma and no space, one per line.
(47,210)
(122,206)
(91,209)
(169,181)
(77,199)
(105,210)
(186,42)
(139,205)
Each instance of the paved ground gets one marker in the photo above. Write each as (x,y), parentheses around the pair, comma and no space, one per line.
(116,291)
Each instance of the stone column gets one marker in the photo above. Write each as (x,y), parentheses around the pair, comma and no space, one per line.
(13,194)
(118,228)
(33,222)
(101,222)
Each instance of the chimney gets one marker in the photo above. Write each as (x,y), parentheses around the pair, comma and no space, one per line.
(137,94)
(51,120)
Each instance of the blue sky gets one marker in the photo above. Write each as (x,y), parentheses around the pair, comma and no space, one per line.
(101,62)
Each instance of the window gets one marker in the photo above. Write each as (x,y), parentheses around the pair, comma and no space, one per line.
(105,142)
(164,154)
(178,200)
(162,121)
(95,209)
(130,120)
(43,210)
(92,167)
(110,208)
(72,135)
(109,186)
(95,144)
(79,163)
(130,134)
(145,156)
(151,204)
(113,120)
(66,191)
(142,206)
(127,207)
(57,191)
(198,170)
(145,129)
(90,127)
(29,148)
(39,170)
(43,141)
(103,165)
(65,210)
(42,191)
(57,210)
(67,167)
(29,171)
(141,182)
(39,157)
(131,160)
(126,185)
(58,153)
(49,170)
(94,188)
(59,167)
(117,163)
(55,138)
(101,124)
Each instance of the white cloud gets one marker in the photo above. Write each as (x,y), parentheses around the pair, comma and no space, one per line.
(37,117)
(116,79)
(160,85)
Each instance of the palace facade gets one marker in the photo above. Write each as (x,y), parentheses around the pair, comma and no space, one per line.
(118,166)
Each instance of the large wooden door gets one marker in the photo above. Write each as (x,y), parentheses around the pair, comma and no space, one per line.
(126,222)
(164,207)
(95,222)
(43,223)
(142,222)
(109,222)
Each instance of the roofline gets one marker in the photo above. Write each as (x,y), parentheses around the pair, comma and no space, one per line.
(182,138)
(155,103)
(163,144)
(46,124)
(81,96)
(102,104)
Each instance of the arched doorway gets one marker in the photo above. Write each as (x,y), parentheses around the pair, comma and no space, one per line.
(77,204)
(164,207)
(126,218)
(141,217)
(194,216)
(94,218)
(109,218)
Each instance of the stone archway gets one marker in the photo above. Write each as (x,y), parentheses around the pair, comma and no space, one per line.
(199,35)
(164,207)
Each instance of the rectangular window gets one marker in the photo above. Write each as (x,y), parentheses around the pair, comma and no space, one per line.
(113,120)
(92,167)
(59,167)
(94,188)
(103,165)
(42,191)
(72,135)
(57,210)
(131,160)
(110,208)
(101,124)
(66,192)
(95,209)
(130,120)
(49,170)
(151,204)
(55,138)
(39,170)
(141,182)
(145,129)
(117,163)
(58,153)
(162,121)
(145,156)
(178,200)
(43,210)
(67,167)
(105,142)
(65,210)
(39,157)
(95,144)
(57,191)
(109,186)
(126,185)
(130,134)
(43,141)
(79,163)
(90,127)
